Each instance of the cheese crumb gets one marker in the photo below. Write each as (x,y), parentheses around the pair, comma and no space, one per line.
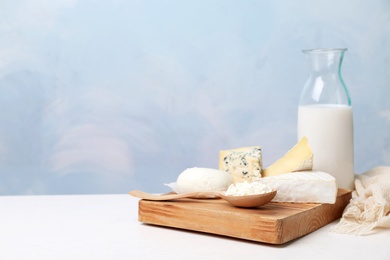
(247,188)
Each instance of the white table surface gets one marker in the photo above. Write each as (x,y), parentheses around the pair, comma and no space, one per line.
(107,227)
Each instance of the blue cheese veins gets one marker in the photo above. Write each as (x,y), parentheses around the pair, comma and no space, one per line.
(243,164)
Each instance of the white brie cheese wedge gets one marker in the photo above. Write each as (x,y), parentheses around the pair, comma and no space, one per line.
(303,187)
(299,158)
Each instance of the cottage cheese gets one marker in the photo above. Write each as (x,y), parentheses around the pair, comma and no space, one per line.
(247,188)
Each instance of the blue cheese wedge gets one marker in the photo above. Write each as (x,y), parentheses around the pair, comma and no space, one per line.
(243,164)
(303,187)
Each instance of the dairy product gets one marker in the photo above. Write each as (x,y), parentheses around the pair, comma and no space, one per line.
(303,187)
(247,188)
(243,164)
(329,129)
(299,158)
(201,179)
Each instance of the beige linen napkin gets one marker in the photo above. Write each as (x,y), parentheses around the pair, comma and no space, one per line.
(369,207)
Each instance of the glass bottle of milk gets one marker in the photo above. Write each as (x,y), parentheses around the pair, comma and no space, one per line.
(325,116)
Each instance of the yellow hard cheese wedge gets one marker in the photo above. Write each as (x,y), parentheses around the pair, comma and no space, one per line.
(299,158)
(243,164)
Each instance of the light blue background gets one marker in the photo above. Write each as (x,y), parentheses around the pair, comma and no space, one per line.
(109,96)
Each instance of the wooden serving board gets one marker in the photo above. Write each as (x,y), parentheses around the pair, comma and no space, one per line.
(274,223)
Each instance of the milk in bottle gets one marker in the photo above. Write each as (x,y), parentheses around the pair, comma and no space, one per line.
(325,116)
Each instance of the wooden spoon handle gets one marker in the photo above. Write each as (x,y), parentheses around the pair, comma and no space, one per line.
(149,196)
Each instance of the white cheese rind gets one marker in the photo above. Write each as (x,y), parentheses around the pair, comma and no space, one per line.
(303,187)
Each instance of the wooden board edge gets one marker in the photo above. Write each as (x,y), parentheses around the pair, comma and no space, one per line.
(317,216)
(314,219)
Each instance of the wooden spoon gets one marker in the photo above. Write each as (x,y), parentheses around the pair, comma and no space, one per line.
(246,201)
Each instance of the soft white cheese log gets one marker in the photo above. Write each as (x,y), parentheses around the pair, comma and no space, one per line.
(201,179)
(303,187)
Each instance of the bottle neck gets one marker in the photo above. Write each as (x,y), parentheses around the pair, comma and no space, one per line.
(325,61)
(325,84)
